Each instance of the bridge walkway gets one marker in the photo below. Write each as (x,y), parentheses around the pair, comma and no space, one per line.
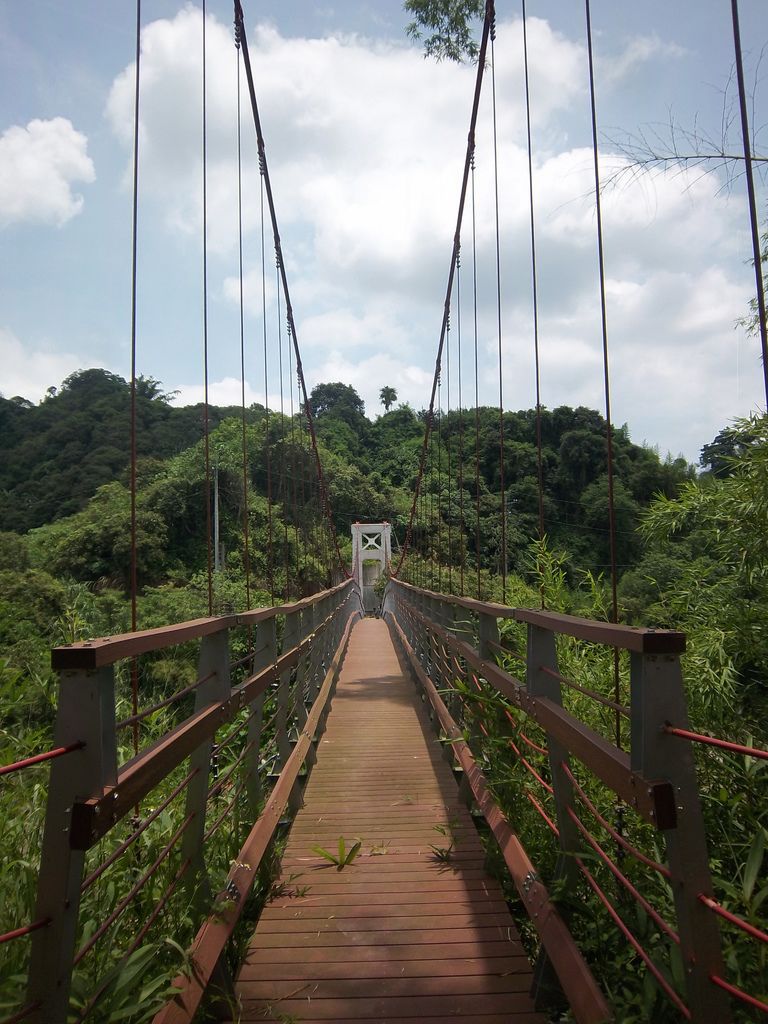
(400,934)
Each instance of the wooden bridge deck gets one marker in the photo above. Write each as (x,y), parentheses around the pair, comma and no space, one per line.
(398,935)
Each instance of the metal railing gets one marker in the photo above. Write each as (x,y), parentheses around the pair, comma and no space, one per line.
(456,651)
(262,725)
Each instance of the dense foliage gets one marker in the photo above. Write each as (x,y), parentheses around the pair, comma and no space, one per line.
(691,549)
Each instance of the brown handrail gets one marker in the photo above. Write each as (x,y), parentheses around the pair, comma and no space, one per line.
(102,651)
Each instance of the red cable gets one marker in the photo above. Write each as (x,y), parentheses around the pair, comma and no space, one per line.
(543,813)
(737,993)
(88,946)
(712,741)
(745,926)
(22,1014)
(143,826)
(662,870)
(660,979)
(6,769)
(653,914)
(19,933)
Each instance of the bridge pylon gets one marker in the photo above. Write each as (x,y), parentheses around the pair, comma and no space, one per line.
(371,554)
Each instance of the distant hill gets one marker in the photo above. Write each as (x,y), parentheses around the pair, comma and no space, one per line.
(54,456)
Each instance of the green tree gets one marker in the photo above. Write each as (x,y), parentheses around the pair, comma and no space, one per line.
(445,26)
(337,399)
(388,397)
(721,597)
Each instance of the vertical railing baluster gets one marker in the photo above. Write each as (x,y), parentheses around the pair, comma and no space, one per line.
(267,655)
(86,714)
(541,654)
(658,697)
(213,668)
(291,628)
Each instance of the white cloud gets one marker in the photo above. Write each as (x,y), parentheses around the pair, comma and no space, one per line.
(637,51)
(365,142)
(38,165)
(227,391)
(30,372)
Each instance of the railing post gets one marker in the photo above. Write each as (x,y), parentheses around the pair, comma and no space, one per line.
(86,713)
(292,636)
(657,698)
(267,639)
(213,667)
(304,667)
(541,654)
(290,640)
(487,634)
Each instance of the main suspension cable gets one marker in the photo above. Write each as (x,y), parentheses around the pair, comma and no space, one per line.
(534,290)
(462,525)
(753,221)
(134,262)
(284,280)
(267,445)
(502,488)
(206,421)
(489,8)
(246,547)
(477,381)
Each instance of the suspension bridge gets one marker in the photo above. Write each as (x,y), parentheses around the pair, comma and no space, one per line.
(336,838)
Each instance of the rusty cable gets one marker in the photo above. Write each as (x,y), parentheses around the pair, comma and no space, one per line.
(622,878)
(139,885)
(489,7)
(227,810)
(49,755)
(133,429)
(645,957)
(267,451)
(284,279)
(142,827)
(283,461)
(477,383)
(157,910)
(532,799)
(22,1014)
(462,524)
(449,454)
(502,488)
(534,294)
(606,369)
(734,919)
(753,222)
(139,717)
(637,854)
(206,416)
(27,929)
(713,741)
(439,450)
(246,525)
(620,709)
(738,993)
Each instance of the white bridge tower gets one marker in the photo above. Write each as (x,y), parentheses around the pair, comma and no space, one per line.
(371,554)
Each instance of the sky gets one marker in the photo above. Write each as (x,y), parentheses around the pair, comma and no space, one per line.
(365,141)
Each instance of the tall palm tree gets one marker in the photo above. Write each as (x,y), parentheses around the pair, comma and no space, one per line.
(388,397)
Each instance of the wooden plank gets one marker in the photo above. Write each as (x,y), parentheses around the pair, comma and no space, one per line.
(386,1008)
(436,968)
(396,935)
(484,1018)
(488,950)
(349,988)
